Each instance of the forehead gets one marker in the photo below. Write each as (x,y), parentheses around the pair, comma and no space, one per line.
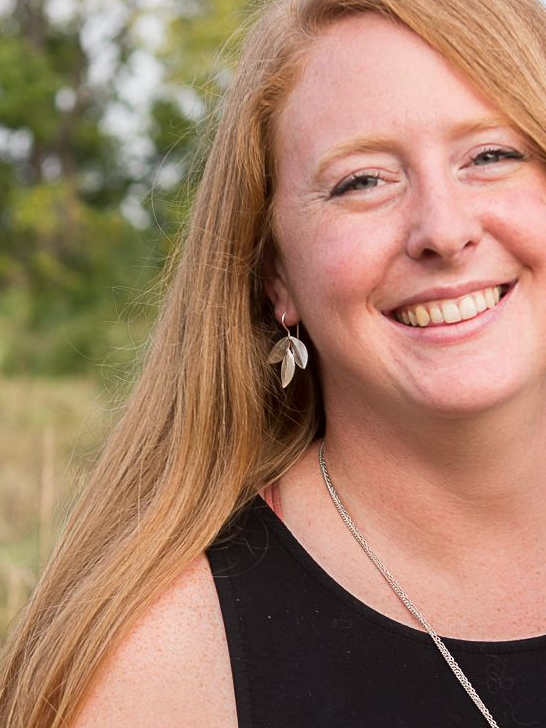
(368,74)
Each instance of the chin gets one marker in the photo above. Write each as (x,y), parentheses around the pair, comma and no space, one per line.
(467,400)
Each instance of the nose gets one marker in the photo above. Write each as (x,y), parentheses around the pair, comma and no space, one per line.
(442,222)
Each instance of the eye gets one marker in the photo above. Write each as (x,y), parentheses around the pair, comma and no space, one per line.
(358,182)
(492,155)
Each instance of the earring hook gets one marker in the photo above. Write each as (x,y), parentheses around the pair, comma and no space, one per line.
(284,325)
(288,330)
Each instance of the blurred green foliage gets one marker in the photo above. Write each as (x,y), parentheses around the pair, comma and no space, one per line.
(85,221)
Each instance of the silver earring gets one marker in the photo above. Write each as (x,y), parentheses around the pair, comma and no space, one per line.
(291,351)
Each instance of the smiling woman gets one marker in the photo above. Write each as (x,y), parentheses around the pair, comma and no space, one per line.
(388,201)
(378,179)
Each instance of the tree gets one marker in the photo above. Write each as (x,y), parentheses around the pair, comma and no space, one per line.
(87,213)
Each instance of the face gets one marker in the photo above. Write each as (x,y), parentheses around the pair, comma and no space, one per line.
(405,196)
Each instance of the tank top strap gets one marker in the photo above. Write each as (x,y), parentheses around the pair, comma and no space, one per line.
(272,496)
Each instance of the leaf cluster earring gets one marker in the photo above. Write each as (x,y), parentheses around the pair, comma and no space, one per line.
(291,351)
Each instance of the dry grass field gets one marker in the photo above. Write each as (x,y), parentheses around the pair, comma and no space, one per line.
(49,433)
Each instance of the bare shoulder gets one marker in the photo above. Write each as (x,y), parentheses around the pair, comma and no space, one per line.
(173,669)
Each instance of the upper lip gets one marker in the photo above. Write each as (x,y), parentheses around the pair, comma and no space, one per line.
(447,292)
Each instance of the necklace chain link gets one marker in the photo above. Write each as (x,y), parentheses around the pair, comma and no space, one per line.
(401,594)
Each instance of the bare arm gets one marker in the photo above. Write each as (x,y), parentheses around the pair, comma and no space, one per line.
(173,669)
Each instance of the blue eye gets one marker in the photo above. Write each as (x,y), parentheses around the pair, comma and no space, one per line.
(494,155)
(357,182)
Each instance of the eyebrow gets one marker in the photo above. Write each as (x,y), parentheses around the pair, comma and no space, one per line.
(383,142)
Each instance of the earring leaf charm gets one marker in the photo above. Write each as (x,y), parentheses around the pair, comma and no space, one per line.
(290,351)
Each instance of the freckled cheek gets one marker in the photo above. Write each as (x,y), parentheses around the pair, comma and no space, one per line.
(533,238)
(341,266)
(520,224)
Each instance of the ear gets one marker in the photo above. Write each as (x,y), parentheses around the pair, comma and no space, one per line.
(278,292)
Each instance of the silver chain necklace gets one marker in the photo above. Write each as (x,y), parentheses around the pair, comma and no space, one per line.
(401,594)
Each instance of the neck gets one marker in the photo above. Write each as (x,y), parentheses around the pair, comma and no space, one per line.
(443,482)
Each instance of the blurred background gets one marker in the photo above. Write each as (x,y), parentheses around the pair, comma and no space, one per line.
(102,107)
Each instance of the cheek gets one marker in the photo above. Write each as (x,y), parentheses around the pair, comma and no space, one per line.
(338,261)
(520,223)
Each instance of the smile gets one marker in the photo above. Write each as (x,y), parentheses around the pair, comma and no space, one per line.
(451,311)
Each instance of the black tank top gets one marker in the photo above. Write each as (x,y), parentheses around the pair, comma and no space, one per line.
(305,653)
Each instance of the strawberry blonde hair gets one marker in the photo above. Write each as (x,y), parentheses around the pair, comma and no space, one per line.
(208,424)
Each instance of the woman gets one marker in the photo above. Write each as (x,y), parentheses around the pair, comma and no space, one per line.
(378,176)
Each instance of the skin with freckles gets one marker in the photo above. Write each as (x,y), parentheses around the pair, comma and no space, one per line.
(395,177)
(436,201)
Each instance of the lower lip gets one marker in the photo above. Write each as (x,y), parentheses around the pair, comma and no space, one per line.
(461,331)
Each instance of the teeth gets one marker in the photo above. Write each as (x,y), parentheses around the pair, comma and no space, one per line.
(449,311)
(436,315)
(452,313)
(468,308)
(490,298)
(481,303)
(422,315)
